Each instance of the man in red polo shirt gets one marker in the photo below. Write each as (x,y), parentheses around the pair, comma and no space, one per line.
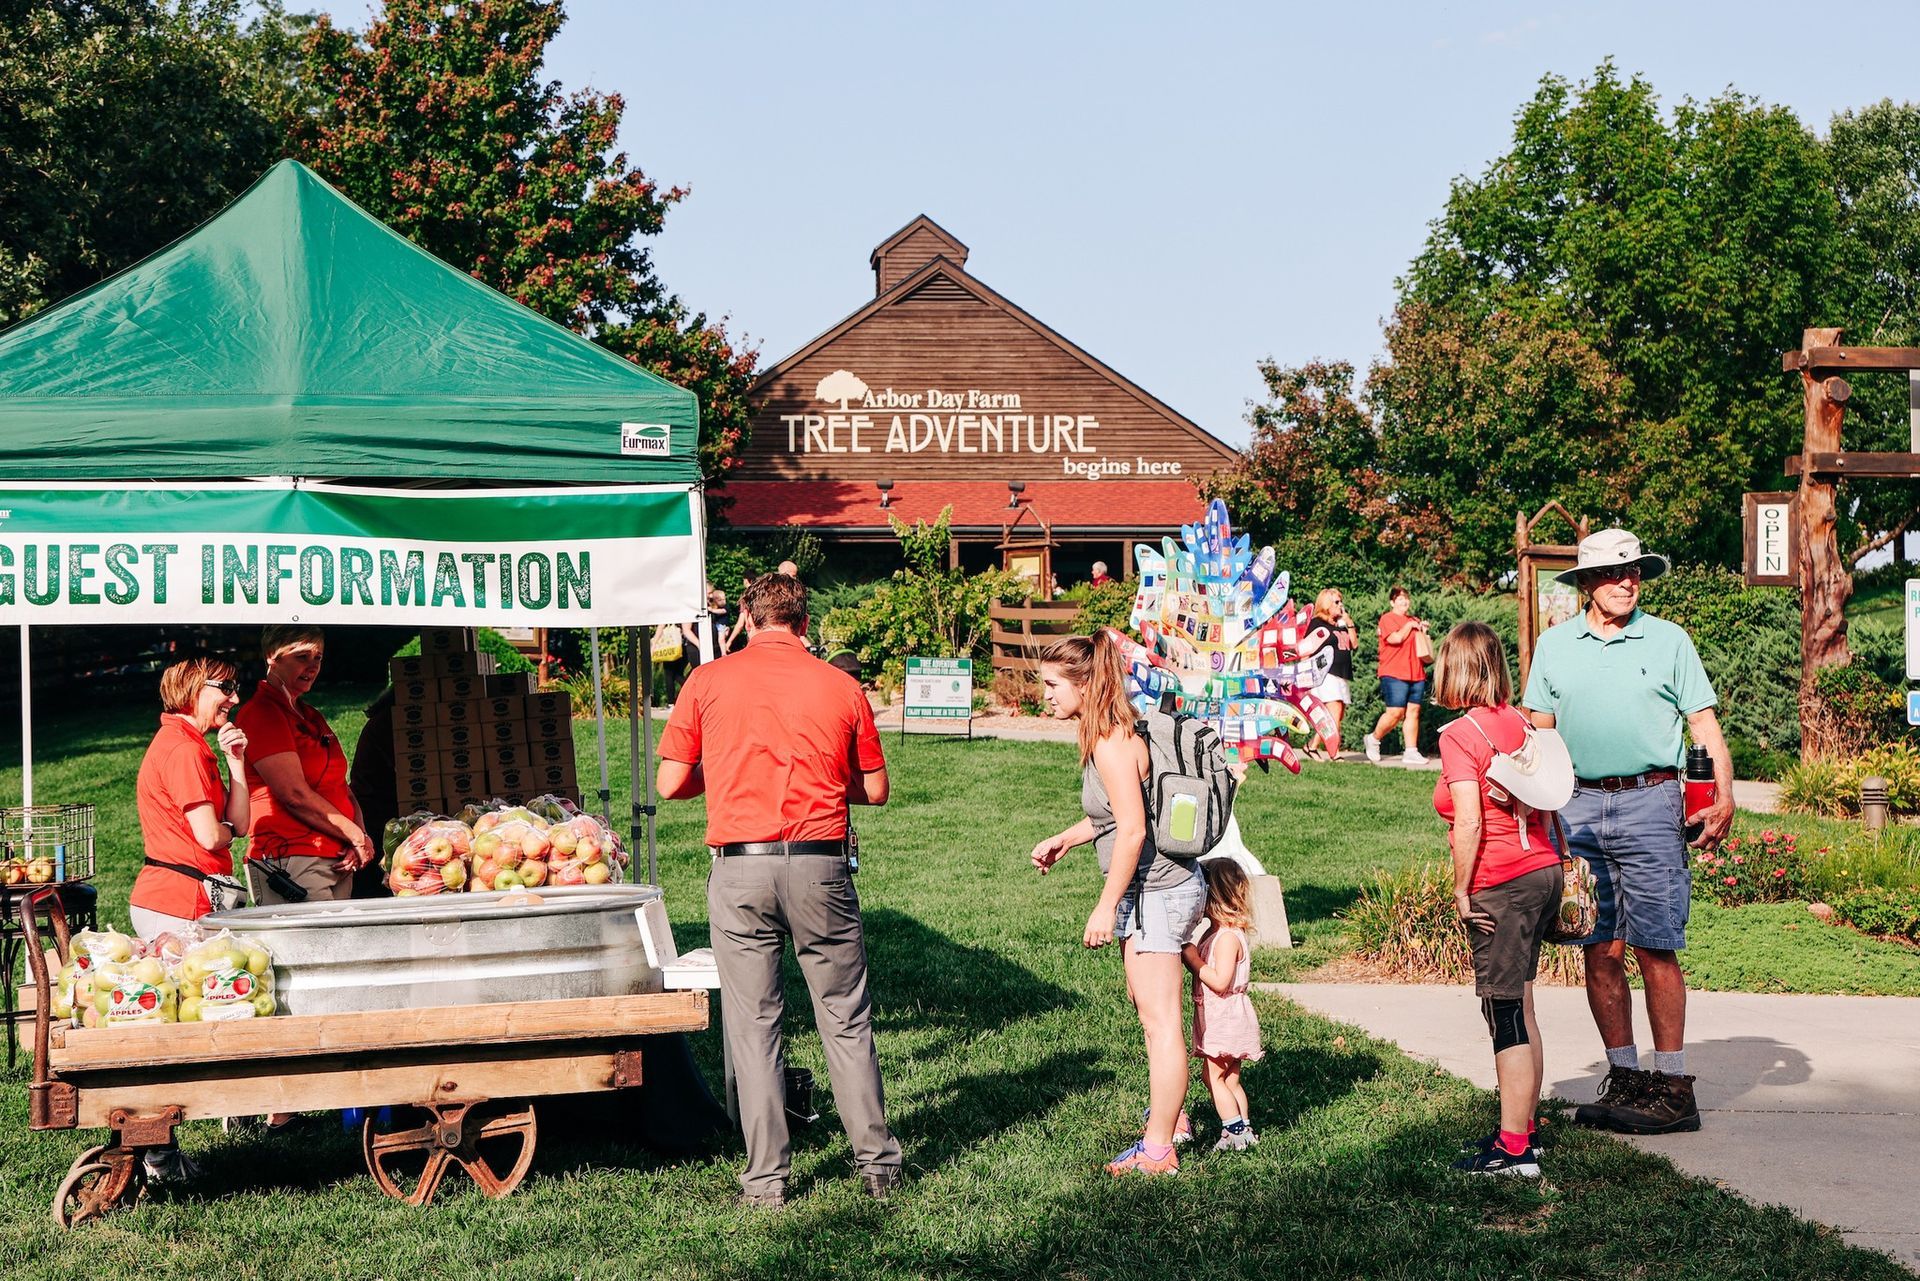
(781,744)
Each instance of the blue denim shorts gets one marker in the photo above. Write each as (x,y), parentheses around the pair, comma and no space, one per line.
(1161,920)
(1398,693)
(1633,841)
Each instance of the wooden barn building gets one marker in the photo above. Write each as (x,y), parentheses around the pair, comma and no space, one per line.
(940,392)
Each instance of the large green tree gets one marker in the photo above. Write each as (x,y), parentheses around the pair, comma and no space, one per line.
(123,125)
(441,123)
(1624,280)
(1308,481)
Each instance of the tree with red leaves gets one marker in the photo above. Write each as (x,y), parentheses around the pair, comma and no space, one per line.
(440,124)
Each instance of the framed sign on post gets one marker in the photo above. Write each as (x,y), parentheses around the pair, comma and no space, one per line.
(1770,551)
(1913,629)
(938,692)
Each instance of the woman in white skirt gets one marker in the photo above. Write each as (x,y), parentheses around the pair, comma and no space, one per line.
(1331,625)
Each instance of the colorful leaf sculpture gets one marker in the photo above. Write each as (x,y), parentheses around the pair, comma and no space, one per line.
(1220,640)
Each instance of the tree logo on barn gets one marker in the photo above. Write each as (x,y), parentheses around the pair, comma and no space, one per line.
(841,385)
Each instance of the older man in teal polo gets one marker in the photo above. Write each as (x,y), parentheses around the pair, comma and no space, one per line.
(1625,690)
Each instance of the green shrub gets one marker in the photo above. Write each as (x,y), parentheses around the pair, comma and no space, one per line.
(1405,924)
(733,557)
(1750,760)
(1860,709)
(1108,605)
(1831,789)
(1891,913)
(1766,868)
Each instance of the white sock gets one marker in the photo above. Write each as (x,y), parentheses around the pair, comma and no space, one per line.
(1626,1056)
(1670,1062)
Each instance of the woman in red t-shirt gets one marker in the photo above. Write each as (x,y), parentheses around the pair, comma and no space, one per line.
(1506,881)
(188,817)
(306,822)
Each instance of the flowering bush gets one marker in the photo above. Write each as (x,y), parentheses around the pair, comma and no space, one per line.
(1763,869)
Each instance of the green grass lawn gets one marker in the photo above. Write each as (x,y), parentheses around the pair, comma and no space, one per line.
(1013,1068)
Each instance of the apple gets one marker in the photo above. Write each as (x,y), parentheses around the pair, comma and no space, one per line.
(190,1009)
(589,851)
(454,875)
(40,871)
(569,874)
(563,840)
(534,844)
(263,1005)
(91,1017)
(150,971)
(486,844)
(486,823)
(510,854)
(406,893)
(258,962)
(598,874)
(15,872)
(532,872)
(439,850)
(508,879)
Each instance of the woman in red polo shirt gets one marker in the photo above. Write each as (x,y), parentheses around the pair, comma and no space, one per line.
(188,817)
(306,822)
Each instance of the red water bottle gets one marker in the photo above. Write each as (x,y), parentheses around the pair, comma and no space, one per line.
(1701,791)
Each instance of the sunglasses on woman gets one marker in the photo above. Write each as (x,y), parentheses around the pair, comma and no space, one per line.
(225,687)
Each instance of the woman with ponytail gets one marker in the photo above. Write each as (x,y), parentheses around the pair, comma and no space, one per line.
(1149,901)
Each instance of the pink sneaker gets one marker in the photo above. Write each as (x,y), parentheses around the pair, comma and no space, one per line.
(1136,1161)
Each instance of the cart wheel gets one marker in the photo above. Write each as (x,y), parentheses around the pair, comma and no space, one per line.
(493,1142)
(96,1182)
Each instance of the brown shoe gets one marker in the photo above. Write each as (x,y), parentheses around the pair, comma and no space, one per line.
(1664,1106)
(1623,1087)
(881,1184)
(772,1199)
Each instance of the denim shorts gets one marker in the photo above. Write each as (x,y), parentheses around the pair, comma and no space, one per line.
(1398,693)
(1634,843)
(1161,920)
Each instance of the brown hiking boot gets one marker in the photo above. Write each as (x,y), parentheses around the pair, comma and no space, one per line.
(1664,1106)
(1622,1088)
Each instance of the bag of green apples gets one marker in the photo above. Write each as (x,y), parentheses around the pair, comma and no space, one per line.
(128,993)
(432,859)
(224,977)
(73,994)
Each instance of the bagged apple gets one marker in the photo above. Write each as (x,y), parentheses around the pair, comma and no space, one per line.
(583,852)
(431,860)
(399,829)
(555,809)
(126,993)
(511,854)
(224,977)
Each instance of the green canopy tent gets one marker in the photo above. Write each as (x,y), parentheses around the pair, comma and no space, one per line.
(294,413)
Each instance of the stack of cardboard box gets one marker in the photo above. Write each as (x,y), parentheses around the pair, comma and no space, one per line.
(464,732)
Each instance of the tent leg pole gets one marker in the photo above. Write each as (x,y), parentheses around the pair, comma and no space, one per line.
(641,678)
(26,720)
(600,727)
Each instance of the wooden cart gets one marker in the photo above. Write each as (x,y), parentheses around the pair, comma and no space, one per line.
(459,1080)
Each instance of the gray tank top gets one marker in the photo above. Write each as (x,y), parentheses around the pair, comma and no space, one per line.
(1157,871)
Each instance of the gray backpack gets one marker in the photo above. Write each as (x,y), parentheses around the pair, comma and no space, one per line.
(1189,788)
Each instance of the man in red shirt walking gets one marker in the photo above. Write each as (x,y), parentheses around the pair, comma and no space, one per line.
(781,744)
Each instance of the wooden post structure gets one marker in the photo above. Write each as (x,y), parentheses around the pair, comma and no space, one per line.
(1529,554)
(1826,576)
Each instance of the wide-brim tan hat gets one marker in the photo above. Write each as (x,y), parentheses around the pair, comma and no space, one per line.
(1610,549)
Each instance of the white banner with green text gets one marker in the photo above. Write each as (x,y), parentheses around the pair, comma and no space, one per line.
(300,551)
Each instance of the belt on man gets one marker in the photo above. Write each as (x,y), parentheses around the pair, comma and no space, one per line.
(1627,782)
(780,849)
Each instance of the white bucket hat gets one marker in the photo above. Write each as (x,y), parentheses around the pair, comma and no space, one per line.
(1610,549)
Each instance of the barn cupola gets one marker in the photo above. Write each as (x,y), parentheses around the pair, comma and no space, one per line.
(911,248)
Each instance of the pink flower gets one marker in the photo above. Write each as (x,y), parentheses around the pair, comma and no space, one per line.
(1739,858)
(1791,838)
(1733,845)
(1733,880)
(1779,871)
(1769,836)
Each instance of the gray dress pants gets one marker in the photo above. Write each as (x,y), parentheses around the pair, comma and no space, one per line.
(755,903)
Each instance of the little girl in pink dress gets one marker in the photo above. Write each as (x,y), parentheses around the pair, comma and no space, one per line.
(1226,1031)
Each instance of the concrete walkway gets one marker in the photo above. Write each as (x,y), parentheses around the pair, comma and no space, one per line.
(1811,1102)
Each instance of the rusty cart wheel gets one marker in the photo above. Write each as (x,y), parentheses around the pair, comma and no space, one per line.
(492,1141)
(98,1180)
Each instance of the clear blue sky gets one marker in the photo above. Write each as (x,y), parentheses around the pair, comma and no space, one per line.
(1182,190)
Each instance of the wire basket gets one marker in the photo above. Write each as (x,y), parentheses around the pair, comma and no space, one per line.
(58,836)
